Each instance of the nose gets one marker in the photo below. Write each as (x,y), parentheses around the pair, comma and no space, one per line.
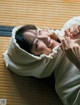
(45,39)
(44,36)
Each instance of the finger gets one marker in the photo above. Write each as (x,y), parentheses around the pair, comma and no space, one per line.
(68,32)
(79,27)
(78,50)
(76,29)
(70,42)
(70,55)
(64,43)
(69,52)
(65,33)
(67,38)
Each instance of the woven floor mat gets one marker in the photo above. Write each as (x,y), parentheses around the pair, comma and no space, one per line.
(43,13)
(20,90)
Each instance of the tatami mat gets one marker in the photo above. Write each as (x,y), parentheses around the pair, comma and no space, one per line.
(50,13)
(20,90)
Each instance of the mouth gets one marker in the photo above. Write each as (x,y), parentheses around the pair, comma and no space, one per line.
(58,40)
(53,43)
(50,43)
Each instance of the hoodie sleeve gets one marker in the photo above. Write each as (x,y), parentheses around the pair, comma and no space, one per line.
(72,56)
(69,23)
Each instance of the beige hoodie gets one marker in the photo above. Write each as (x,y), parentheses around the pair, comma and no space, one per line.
(67,76)
(23,63)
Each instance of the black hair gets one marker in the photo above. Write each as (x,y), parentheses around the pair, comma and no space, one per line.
(23,43)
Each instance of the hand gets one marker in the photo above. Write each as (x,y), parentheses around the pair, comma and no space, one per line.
(73,31)
(72,51)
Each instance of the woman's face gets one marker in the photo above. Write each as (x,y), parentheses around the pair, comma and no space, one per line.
(41,41)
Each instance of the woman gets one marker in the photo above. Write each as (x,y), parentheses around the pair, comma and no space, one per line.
(36,52)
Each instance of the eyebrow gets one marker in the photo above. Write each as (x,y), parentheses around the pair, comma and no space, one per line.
(32,43)
(34,32)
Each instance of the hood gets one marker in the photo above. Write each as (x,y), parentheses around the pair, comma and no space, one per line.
(31,56)
(23,63)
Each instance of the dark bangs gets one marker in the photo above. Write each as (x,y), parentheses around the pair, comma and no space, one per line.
(24,44)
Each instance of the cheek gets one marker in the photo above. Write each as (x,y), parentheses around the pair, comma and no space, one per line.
(42,47)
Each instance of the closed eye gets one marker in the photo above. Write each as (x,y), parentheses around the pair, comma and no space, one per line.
(39,32)
(36,42)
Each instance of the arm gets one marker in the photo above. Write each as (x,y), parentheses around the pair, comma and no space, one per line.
(72,51)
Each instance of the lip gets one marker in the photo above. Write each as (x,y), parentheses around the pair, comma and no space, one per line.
(49,42)
(53,44)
